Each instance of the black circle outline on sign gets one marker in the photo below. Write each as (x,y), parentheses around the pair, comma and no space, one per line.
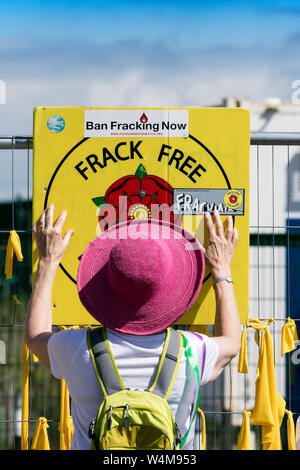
(223,173)
(85,139)
(49,187)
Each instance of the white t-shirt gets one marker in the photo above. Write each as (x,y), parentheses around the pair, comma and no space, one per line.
(136,358)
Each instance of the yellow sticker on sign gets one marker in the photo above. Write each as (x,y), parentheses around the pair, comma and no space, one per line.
(107,165)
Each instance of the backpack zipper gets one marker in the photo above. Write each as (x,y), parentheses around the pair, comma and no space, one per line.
(109,421)
(178,435)
(91,429)
(126,419)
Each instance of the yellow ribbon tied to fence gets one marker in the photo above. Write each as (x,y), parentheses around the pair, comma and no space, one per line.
(40,439)
(13,246)
(288,336)
(244,440)
(65,425)
(203,431)
(269,407)
(291,435)
(243,360)
(25,397)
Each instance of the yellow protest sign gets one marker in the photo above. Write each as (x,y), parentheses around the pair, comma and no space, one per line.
(106,165)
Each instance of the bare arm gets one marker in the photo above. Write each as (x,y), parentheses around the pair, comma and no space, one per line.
(51,248)
(218,256)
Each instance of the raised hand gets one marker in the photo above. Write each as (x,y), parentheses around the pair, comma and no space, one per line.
(50,243)
(220,249)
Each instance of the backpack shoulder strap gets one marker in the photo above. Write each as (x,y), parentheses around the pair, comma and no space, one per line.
(193,364)
(103,361)
(168,365)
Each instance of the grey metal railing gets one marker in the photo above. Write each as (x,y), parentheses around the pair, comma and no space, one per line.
(259,240)
(256,138)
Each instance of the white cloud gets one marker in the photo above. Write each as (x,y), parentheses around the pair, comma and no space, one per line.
(134,73)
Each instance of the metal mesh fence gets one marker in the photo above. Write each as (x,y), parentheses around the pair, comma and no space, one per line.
(274,263)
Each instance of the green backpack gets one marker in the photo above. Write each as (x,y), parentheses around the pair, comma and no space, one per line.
(135,419)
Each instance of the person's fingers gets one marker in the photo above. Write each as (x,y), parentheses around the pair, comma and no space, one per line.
(235,236)
(229,231)
(60,221)
(219,225)
(34,231)
(40,223)
(68,236)
(209,225)
(49,216)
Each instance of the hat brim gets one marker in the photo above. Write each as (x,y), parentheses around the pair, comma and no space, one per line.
(159,310)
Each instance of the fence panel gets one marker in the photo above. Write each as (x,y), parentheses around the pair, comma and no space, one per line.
(274,268)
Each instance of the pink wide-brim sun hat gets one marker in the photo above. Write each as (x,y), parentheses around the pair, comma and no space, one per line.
(139,277)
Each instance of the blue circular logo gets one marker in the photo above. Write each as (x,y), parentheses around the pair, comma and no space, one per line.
(56,124)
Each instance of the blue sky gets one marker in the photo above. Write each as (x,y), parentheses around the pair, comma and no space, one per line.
(132,53)
(201,22)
